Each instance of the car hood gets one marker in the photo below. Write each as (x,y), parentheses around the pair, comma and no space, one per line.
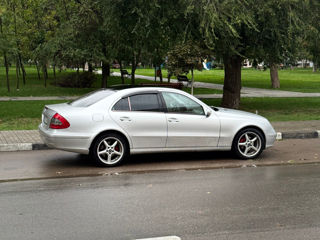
(237,113)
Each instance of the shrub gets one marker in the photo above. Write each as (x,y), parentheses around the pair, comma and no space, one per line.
(77,80)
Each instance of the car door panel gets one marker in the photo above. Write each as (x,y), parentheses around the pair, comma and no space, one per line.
(186,130)
(188,126)
(142,120)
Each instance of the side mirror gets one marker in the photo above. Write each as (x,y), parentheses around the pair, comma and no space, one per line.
(208,114)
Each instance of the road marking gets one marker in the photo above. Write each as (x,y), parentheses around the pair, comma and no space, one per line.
(161,238)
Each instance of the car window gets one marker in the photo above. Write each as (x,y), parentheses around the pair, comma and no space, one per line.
(91,98)
(144,102)
(122,105)
(177,103)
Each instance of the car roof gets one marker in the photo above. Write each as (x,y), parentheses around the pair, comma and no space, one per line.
(138,87)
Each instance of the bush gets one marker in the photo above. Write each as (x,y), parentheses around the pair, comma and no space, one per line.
(77,80)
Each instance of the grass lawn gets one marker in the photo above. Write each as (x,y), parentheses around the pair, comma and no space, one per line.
(19,115)
(279,109)
(35,87)
(299,80)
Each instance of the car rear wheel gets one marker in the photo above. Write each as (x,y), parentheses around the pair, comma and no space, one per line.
(109,150)
(248,143)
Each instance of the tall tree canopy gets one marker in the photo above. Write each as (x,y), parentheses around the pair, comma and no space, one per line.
(72,33)
(236,30)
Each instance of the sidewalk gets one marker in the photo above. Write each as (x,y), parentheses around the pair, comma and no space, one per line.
(30,140)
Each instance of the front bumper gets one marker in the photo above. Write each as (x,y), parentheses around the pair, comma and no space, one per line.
(64,141)
(270,139)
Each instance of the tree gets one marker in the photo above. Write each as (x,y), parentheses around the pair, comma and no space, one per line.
(184,58)
(279,24)
(88,25)
(226,26)
(311,41)
(4,49)
(248,29)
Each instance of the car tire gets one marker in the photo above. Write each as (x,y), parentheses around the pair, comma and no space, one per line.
(109,150)
(248,144)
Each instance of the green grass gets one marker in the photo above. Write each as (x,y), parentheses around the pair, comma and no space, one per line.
(35,87)
(300,80)
(279,109)
(19,115)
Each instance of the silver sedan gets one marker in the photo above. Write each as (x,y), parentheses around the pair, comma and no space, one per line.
(110,124)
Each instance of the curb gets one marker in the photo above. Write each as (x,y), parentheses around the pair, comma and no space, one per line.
(13,147)
(298,135)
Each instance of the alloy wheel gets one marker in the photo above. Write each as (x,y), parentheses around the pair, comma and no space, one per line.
(110,150)
(249,144)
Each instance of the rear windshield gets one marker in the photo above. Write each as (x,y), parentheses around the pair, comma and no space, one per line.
(91,98)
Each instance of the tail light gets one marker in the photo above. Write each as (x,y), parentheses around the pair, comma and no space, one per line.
(59,122)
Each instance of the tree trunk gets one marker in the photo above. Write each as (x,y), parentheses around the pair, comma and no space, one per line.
(275,83)
(45,74)
(108,69)
(160,74)
(90,67)
(22,68)
(155,73)
(192,81)
(7,69)
(314,69)
(17,74)
(232,82)
(133,70)
(169,77)
(54,71)
(121,69)
(54,74)
(46,71)
(38,70)
(104,74)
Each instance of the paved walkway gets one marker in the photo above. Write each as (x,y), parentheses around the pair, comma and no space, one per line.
(45,98)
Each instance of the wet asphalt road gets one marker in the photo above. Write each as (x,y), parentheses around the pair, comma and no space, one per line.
(277,202)
(54,163)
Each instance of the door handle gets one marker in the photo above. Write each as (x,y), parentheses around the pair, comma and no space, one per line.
(125,119)
(173,120)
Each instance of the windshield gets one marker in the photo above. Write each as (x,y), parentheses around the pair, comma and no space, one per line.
(91,98)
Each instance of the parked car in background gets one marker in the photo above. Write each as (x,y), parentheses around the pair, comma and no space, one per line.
(110,124)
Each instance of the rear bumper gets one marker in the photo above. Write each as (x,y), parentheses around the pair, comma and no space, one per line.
(68,142)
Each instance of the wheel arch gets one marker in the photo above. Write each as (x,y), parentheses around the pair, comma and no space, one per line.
(110,131)
(254,127)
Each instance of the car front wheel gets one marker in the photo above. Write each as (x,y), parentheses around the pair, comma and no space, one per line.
(248,143)
(109,150)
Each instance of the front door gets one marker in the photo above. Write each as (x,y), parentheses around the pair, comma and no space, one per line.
(188,125)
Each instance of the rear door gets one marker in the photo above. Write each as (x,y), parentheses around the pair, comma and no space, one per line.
(188,125)
(142,118)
